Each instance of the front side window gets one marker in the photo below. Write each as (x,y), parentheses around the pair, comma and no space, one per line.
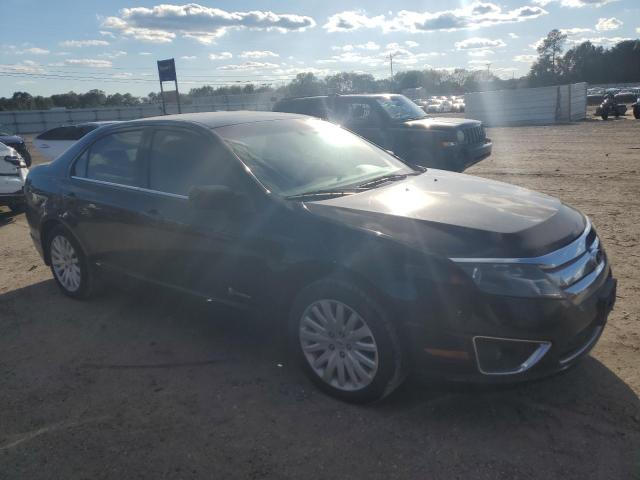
(115,159)
(181,160)
(297,156)
(400,108)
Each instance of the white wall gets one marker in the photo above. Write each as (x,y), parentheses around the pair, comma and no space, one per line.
(528,106)
(36,121)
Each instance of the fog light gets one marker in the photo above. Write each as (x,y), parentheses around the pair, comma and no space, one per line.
(503,356)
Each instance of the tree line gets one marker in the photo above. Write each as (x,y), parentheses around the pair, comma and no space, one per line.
(585,62)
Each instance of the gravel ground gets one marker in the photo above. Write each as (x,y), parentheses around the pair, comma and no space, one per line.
(147,384)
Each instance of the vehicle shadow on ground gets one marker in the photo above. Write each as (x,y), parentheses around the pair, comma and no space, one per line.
(6,217)
(189,366)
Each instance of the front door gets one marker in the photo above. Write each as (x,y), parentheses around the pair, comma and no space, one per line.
(362,116)
(211,251)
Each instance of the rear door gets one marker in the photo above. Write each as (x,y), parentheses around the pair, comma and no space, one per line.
(103,201)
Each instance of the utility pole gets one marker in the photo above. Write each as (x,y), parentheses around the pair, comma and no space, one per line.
(391,63)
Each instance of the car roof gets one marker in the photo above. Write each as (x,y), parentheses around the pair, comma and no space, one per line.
(221,119)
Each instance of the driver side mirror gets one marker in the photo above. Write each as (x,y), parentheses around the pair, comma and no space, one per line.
(218,197)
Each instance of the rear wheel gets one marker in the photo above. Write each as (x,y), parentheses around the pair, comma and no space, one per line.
(636,112)
(345,342)
(69,264)
(604,116)
(17,207)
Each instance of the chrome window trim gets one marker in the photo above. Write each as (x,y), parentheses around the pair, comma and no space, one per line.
(543,347)
(131,187)
(549,260)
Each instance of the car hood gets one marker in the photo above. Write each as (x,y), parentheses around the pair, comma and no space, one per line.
(458,215)
(442,123)
(10,139)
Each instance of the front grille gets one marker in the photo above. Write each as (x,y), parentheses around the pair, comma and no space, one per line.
(473,135)
(580,265)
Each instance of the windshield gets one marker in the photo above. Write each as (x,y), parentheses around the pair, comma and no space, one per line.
(292,157)
(400,108)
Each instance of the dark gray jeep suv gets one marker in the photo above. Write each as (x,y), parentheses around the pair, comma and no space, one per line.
(395,123)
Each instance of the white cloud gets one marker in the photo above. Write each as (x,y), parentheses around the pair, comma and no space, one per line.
(525,58)
(478,43)
(585,3)
(26,66)
(411,44)
(575,31)
(160,23)
(604,41)
(89,62)
(188,57)
(607,24)
(475,15)
(513,35)
(250,66)
(119,53)
(480,53)
(220,56)
(84,43)
(401,56)
(35,51)
(144,53)
(258,54)
(371,46)
(105,33)
(352,20)
(574,3)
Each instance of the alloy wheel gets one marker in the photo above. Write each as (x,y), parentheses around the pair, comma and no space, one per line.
(338,345)
(65,263)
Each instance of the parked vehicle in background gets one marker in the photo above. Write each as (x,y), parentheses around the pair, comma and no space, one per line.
(609,107)
(371,267)
(626,96)
(13,173)
(395,123)
(53,142)
(16,142)
(636,109)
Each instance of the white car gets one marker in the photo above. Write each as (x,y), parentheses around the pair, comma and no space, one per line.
(13,173)
(55,141)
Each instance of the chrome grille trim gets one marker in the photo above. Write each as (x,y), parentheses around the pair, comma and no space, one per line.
(549,260)
(573,268)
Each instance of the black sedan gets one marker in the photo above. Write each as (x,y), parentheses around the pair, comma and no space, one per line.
(373,267)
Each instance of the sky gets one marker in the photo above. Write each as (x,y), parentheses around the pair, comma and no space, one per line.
(55,46)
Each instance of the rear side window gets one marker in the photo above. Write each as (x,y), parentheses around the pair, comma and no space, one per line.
(180,160)
(114,159)
(60,133)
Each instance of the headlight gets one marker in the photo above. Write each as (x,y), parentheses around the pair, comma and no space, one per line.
(460,136)
(513,280)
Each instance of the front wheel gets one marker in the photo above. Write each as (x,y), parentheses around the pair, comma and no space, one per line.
(636,113)
(69,264)
(605,116)
(345,342)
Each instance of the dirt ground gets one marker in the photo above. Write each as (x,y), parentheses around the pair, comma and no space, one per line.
(147,384)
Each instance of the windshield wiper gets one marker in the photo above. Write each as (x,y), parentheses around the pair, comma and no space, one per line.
(387,178)
(323,193)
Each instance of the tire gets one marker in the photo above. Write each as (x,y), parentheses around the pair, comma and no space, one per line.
(27,158)
(66,255)
(16,208)
(605,116)
(366,367)
(636,113)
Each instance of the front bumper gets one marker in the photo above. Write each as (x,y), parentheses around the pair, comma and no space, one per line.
(560,333)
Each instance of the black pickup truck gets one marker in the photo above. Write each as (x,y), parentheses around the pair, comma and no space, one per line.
(397,124)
